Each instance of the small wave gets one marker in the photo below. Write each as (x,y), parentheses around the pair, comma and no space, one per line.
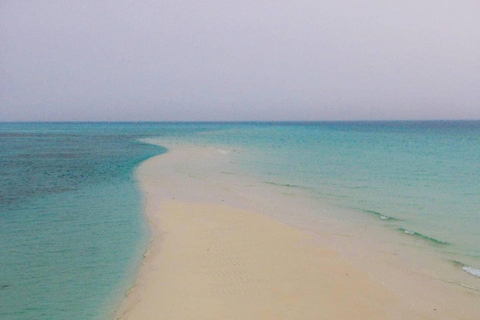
(467,269)
(457,263)
(472,271)
(422,236)
(286,185)
(381,216)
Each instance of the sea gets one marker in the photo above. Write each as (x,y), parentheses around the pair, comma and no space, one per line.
(72,224)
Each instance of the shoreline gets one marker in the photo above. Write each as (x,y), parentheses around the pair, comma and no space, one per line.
(169,188)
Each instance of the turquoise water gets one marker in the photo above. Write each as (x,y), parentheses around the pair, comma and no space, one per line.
(71,226)
(421,179)
(71,229)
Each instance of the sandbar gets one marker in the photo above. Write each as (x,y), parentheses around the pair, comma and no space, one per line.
(211,259)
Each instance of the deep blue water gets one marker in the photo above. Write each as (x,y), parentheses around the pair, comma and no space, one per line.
(71,224)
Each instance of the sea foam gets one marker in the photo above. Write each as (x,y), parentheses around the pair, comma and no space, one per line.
(472,271)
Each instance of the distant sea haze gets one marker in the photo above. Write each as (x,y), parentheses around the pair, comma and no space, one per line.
(73,232)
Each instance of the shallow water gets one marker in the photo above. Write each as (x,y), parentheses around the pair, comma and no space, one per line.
(420,178)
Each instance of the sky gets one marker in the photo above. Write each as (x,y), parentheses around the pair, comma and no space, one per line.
(223,60)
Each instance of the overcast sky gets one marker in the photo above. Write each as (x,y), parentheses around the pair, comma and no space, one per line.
(239,60)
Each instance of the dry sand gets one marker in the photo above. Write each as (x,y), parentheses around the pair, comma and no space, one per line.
(217,262)
(211,260)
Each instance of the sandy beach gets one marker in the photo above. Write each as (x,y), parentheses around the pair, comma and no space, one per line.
(217,262)
(211,257)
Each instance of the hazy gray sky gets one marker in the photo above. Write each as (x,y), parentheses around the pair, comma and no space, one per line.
(239,60)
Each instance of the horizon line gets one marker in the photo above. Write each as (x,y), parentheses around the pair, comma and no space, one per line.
(238,121)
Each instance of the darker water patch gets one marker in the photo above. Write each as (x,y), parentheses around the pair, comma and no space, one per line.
(37,164)
(288,185)
(457,263)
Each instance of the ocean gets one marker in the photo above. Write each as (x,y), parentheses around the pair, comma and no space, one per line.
(72,230)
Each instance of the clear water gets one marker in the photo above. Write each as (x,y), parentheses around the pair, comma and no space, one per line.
(71,228)
(423,178)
